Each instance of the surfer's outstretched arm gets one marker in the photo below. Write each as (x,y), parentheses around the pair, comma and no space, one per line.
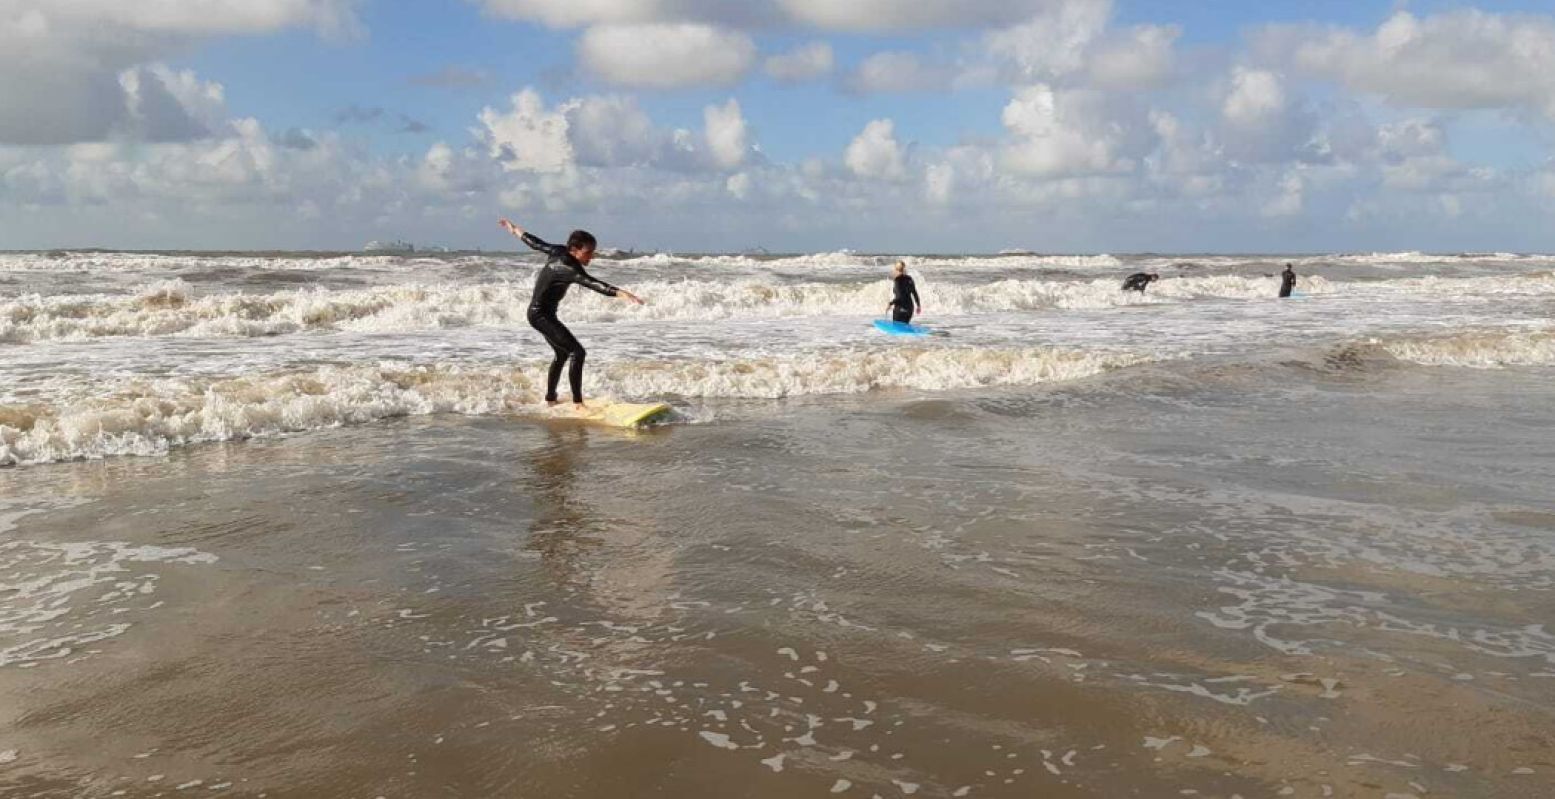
(592,283)
(534,242)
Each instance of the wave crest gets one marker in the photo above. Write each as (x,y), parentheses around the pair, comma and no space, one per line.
(173,308)
(1483,349)
(150,417)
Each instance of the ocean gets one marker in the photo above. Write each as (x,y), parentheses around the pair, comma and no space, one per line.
(293,524)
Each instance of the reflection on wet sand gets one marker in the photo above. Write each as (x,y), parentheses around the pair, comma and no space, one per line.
(562,530)
(590,538)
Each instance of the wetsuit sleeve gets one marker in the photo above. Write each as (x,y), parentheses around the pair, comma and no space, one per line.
(592,283)
(912,286)
(536,243)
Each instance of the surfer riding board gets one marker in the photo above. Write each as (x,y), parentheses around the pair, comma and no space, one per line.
(564,267)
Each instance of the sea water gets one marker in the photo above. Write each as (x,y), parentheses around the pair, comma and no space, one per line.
(290,524)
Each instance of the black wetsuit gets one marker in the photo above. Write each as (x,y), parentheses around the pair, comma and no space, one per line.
(904,298)
(1287,281)
(561,270)
(1137,282)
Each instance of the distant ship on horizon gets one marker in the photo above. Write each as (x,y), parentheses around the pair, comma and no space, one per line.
(397,246)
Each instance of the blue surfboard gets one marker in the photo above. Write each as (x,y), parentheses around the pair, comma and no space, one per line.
(900,328)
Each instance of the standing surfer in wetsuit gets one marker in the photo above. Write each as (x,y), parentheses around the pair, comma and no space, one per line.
(1287,281)
(1139,280)
(563,267)
(904,295)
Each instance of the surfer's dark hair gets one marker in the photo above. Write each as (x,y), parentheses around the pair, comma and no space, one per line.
(581,240)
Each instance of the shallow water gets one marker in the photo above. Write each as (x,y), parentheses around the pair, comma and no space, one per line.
(1088,544)
(1276,579)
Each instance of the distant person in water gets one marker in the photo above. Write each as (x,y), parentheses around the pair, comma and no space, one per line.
(904,295)
(1287,281)
(1139,280)
(563,267)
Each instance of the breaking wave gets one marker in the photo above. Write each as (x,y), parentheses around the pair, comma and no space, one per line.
(150,417)
(1484,349)
(173,308)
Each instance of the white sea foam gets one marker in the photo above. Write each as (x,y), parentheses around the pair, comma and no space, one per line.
(818,262)
(1417,257)
(131,262)
(1480,349)
(58,598)
(165,262)
(174,308)
(147,262)
(148,417)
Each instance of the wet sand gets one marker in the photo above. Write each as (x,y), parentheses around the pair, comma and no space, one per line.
(1290,580)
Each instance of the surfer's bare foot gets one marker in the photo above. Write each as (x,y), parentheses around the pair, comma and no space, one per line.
(553,402)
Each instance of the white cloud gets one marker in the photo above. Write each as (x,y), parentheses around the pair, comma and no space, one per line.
(939,182)
(666,56)
(801,64)
(1257,98)
(1290,199)
(573,13)
(436,169)
(242,166)
(181,16)
(956,169)
(1138,58)
(854,15)
(876,154)
(1461,59)
(1412,138)
(1185,157)
(739,185)
(1073,132)
(898,72)
(1412,156)
(611,131)
(1261,122)
(527,138)
(84,70)
(1052,44)
(164,105)
(889,15)
(726,134)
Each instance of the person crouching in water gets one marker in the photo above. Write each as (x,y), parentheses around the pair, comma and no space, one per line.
(1287,281)
(1139,280)
(904,295)
(563,267)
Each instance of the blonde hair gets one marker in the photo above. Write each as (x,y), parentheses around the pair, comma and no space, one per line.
(900,268)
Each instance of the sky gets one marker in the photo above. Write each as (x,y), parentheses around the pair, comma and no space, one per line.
(785,125)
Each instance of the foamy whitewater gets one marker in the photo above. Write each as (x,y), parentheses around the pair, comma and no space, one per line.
(133,353)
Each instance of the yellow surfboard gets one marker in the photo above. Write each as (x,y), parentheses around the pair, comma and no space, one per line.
(625,414)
